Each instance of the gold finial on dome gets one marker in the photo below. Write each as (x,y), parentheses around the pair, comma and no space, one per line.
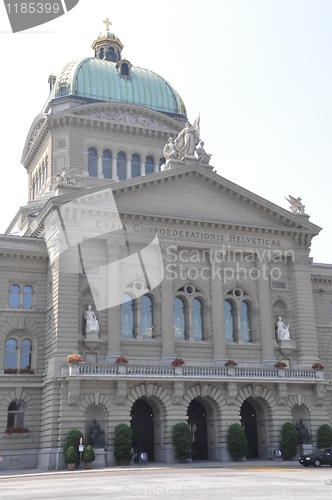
(108,24)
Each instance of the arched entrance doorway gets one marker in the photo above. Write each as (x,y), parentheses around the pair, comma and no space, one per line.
(249,424)
(197,422)
(142,428)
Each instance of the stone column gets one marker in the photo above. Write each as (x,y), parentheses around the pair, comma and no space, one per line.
(128,168)
(265,316)
(217,310)
(114,169)
(100,166)
(303,326)
(143,167)
(189,323)
(167,315)
(113,313)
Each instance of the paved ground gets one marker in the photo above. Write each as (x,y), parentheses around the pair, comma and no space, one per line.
(226,481)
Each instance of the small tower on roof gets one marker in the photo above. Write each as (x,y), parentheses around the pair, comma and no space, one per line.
(107,47)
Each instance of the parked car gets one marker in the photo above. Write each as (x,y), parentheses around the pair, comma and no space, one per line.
(317,458)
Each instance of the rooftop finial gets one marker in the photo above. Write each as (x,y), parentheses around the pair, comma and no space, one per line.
(108,24)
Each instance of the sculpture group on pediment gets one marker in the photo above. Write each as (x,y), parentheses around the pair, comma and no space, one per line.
(68,177)
(187,144)
(296,205)
(129,117)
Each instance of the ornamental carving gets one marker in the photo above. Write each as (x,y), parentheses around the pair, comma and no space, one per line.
(127,118)
(36,131)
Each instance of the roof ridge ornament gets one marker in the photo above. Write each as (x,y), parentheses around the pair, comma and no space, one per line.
(296,207)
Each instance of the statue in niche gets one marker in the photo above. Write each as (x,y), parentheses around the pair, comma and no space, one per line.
(96,434)
(204,158)
(304,436)
(91,322)
(282,330)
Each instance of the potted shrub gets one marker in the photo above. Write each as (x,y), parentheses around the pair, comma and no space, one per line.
(289,440)
(73,439)
(182,441)
(230,362)
(89,456)
(71,457)
(121,362)
(324,436)
(122,444)
(236,442)
(318,366)
(280,364)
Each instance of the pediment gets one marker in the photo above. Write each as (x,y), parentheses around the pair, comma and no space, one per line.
(127,115)
(196,193)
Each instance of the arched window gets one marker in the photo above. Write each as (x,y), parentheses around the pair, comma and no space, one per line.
(121,164)
(229,323)
(63,90)
(245,321)
(27,297)
(26,352)
(162,162)
(149,165)
(125,69)
(11,354)
(111,55)
(92,162)
(135,166)
(197,319)
(14,297)
(146,317)
(15,417)
(179,319)
(101,53)
(107,165)
(127,317)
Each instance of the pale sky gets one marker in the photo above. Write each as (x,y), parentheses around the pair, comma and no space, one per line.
(257,71)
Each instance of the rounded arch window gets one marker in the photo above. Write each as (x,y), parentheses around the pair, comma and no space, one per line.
(92,162)
(146,317)
(14,297)
(15,417)
(135,166)
(179,319)
(197,319)
(107,165)
(26,352)
(11,353)
(63,90)
(245,322)
(127,316)
(229,321)
(121,165)
(27,297)
(149,165)
(111,55)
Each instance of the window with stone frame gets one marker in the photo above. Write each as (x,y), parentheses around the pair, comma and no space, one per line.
(188,313)
(20,296)
(237,316)
(15,415)
(18,354)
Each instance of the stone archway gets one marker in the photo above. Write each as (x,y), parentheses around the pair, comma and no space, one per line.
(249,425)
(198,424)
(142,427)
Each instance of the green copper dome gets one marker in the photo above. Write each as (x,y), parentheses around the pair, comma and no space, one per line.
(101,80)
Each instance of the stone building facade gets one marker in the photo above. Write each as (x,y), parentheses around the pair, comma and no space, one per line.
(226,265)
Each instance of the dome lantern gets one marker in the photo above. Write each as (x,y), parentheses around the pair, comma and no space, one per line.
(107,47)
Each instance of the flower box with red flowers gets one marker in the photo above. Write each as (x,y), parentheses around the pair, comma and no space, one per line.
(178,362)
(121,359)
(74,358)
(318,366)
(16,430)
(280,364)
(10,371)
(230,362)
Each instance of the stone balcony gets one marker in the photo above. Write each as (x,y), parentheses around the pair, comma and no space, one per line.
(228,373)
